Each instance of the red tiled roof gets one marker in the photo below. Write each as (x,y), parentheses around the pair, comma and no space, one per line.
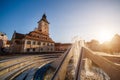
(39,39)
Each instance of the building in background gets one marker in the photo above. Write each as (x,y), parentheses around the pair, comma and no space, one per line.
(3,39)
(94,45)
(62,46)
(4,42)
(37,40)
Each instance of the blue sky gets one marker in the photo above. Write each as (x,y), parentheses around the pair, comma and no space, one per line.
(68,18)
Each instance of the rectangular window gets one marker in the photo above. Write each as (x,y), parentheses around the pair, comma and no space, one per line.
(34,42)
(52,44)
(47,44)
(43,43)
(39,43)
(33,49)
(28,42)
(51,49)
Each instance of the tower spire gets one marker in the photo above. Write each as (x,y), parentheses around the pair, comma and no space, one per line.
(44,18)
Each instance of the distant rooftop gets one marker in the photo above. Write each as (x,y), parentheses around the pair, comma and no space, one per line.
(2,34)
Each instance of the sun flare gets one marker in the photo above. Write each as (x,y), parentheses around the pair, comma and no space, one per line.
(104,35)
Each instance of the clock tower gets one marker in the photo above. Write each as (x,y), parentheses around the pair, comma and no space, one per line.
(43,25)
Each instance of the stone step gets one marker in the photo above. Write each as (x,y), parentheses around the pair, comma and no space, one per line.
(14,73)
(23,75)
(13,66)
(31,74)
(18,59)
(21,64)
(8,62)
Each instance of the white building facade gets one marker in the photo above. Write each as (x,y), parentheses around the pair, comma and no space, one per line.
(35,41)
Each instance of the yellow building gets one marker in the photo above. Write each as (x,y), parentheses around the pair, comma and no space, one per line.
(35,41)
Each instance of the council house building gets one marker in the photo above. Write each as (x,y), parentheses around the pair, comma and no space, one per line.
(37,40)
